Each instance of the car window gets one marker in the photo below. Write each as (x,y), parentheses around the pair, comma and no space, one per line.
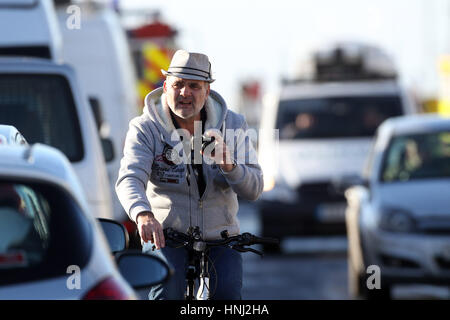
(42,108)
(421,156)
(24,226)
(335,117)
(42,232)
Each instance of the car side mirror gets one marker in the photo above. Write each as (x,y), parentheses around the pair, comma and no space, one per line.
(116,234)
(347,181)
(108,149)
(142,270)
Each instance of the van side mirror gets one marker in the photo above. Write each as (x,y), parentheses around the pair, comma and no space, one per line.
(97,111)
(108,149)
(116,234)
(142,270)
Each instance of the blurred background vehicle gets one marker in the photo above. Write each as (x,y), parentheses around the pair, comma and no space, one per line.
(398,217)
(152,44)
(51,247)
(29,28)
(99,53)
(44,102)
(324,127)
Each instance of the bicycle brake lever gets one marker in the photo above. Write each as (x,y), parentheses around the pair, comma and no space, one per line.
(242,249)
(256,251)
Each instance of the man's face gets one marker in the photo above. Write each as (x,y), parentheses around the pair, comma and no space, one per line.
(185,97)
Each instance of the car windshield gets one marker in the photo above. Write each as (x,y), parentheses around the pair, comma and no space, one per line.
(42,108)
(421,156)
(335,117)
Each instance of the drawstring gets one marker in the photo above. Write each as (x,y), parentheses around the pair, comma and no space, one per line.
(188,180)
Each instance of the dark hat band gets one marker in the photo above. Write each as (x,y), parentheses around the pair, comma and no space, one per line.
(199,70)
(187,73)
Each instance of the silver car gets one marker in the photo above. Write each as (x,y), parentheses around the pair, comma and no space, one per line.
(51,247)
(398,216)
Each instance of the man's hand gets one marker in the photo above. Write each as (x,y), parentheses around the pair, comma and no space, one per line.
(221,155)
(150,229)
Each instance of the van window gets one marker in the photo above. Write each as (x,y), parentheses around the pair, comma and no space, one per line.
(335,117)
(29,51)
(42,108)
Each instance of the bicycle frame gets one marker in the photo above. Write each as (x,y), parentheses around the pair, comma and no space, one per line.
(197,269)
(198,260)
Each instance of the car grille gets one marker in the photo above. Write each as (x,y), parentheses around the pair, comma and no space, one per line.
(434,225)
(443,263)
(319,192)
(391,261)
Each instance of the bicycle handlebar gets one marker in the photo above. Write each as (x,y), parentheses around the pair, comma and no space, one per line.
(238,242)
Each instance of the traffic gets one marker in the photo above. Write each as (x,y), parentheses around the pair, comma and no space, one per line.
(350,156)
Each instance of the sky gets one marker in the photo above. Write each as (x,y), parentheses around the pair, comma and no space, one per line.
(248,39)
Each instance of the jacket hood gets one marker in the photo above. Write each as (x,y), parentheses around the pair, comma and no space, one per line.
(157,109)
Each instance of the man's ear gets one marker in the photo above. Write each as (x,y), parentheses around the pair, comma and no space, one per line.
(164,86)
(207,89)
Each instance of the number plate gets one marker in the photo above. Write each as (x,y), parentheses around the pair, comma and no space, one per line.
(445,253)
(331,213)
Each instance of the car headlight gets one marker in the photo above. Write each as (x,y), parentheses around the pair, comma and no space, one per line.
(269,183)
(397,220)
(278,191)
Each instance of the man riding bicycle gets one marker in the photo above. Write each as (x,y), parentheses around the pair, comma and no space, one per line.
(186,160)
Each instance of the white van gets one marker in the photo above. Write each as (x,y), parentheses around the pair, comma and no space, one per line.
(99,53)
(44,102)
(29,28)
(325,130)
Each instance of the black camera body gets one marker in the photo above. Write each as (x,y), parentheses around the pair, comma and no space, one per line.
(206,141)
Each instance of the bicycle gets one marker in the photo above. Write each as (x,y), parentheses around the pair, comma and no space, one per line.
(198,248)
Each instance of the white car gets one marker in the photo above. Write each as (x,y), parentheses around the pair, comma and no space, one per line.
(9,135)
(51,247)
(398,216)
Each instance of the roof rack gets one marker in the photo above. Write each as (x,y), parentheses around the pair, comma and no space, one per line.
(337,78)
(348,63)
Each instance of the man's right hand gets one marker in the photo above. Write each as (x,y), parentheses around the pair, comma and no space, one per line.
(150,229)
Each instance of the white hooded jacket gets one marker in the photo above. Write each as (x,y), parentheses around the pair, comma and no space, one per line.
(148,181)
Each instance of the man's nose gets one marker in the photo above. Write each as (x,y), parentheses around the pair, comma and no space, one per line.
(185,91)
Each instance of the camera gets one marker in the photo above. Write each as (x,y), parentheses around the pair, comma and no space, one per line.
(206,141)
